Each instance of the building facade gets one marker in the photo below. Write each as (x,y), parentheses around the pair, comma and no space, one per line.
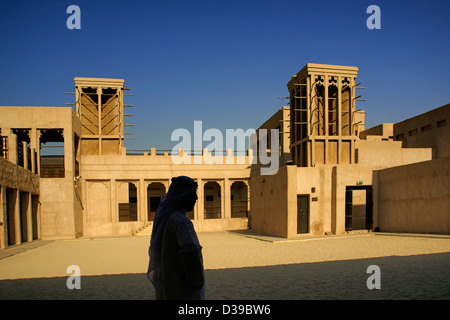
(65,173)
(344,178)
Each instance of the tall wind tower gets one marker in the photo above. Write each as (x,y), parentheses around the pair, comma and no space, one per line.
(99,106)
(324,122)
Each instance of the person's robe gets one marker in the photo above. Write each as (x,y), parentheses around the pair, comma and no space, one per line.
(182,275)
(176,265)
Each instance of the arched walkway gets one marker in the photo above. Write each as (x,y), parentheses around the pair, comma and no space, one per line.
(212,201)
(239,200)
(155,193)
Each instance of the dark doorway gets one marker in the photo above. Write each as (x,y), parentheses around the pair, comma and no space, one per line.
(24,203)
(128,211)
(212,202)
(11,196)
(358,208)
(302,213)
(239,200)
(155,193)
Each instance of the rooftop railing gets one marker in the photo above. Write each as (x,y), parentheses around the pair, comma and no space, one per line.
(162,152)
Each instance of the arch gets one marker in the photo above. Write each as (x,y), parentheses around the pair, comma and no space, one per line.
(128,210)
(239,199)
(98,202)
(155,193)
(212,200)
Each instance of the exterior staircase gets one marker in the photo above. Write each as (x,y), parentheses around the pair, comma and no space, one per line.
(145,231)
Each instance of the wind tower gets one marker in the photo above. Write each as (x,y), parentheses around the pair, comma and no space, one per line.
(99,106)
(324,123)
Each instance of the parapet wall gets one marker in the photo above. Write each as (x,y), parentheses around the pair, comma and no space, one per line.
(15,177)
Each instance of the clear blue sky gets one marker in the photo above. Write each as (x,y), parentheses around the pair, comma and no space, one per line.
(223,62)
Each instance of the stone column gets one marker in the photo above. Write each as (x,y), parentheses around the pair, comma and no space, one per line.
(38,151)
(201,200)
(17,224)
(114,205)
(226,199)
(223,193)
(142,201)
(69,161)
(25,155)
(248,199)
(338,106)
(29,219)
(325,111)
(12,148)
(99,109)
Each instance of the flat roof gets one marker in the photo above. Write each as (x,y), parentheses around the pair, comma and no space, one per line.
(81,81)
(324,68)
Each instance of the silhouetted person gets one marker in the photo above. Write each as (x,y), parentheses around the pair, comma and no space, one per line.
(176,264)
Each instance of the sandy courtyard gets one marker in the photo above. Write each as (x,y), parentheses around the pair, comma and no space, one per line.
(238,267)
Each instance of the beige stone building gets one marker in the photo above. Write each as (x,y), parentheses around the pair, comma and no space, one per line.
(88,185)
(65,173)
(393,177)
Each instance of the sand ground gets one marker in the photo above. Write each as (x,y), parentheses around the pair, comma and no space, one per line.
(238,266)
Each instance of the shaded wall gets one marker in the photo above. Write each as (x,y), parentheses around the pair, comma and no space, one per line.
(415,198)
(427,130)
(269,203)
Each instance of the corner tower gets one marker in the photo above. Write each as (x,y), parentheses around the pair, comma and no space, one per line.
(324,123)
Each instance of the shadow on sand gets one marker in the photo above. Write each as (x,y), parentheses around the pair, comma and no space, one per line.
(411,277)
